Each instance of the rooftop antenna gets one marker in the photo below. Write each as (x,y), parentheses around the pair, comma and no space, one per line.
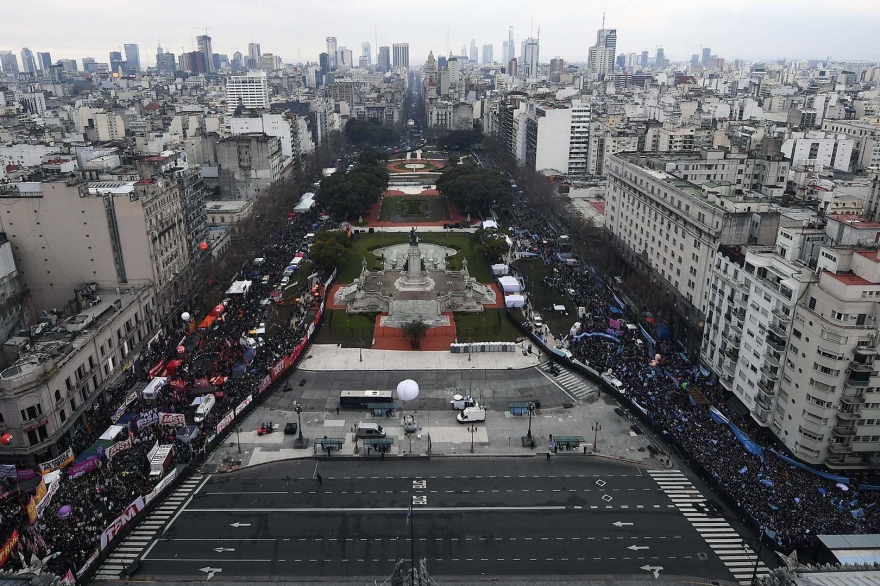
(603,20)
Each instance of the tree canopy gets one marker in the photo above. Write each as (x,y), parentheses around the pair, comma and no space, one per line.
(345,195)
(473,188)
(460,140)
(329,248)
(370,132)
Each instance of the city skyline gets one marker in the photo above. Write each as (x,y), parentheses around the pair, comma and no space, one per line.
(751,32)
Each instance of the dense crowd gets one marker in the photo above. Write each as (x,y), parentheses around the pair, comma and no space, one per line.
(789,503)
(99,496)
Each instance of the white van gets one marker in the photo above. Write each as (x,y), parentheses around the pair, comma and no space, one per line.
(614,382)
(537,320)
(368,430)
(472,414)
(208,402)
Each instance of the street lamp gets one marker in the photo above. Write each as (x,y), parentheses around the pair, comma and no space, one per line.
(596,428)
(527,440)
(473,429)
(757,556)
(300,442)
(238,438)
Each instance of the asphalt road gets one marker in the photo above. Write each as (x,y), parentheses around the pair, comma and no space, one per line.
(470,517)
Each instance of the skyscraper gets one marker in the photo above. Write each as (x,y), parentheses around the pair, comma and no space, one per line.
(133,56)
(400,55)
(89,65)
(44,61)
(660,60)
(504,52)
(695,60)
(206,48)
(511,48)
(487,54)
(367,51)
(9,62)
(644,60)
(28,63)
(331,52)
(557,65)
(384,58)
(601,55)
(253,55)
(475,57)
(707,54)
(529,62)
(166,64)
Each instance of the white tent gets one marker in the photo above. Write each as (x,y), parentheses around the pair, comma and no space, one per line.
(514,301)
(490,225)
(305,203)
(499,269)
(510,285)
(111,432)
(239,288)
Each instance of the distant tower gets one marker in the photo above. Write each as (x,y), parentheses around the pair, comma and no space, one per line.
(511,48)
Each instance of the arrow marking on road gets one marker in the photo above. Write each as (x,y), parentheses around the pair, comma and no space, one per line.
(653,569)
(237,524)
(210,571)
(222,549)
(620,523)
(637,547)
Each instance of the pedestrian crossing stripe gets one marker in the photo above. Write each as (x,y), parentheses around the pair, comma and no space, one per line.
(717,533)
(573,384)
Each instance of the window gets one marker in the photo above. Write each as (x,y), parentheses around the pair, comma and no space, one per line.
(57,396)
(812,303)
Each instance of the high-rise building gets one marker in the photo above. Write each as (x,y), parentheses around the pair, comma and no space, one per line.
(557,65)
(133,56)
(695,60)
(601,55)
(367,51)
(487,54)
(250,90)
(621,61)
(165,62)
(68,64)
(400,55)
(89,65)
(529,62)
(475,57)
(384,58)
(207,49)
(44,61)
(9,62)
(707,54)
(331,52)
(660,59)
(504,52)
(511,48)
(253,55)
(28,63)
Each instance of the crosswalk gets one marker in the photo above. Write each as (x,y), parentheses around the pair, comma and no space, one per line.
(137,541)
(738,556)
(573,384)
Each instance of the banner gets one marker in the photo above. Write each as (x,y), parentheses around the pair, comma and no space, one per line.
(8,471)
(40,492)
(8,547)
(119,447)
(27,474)
(148,417)
(279,368)
(118,524)
(44,504)
(89,464)
(804,467)
(119,413)
(264,384)
(614,323)
(175,419)
(224,422)
(31,509)
(54,464)
(163,484)
(243,404)
(68,579)
(153,451)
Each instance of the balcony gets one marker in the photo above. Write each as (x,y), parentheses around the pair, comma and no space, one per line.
(866,350)
(730,367)
(727,382)
(858,366)
(768,387)
(736,329)
(779,329)
(763,401)
(781,316)
(740,314)
(856,383)
(772,374)
(836,448)
(763,414)
(852,399)
(848,416)
(774,343)
(843,430)
(772,358)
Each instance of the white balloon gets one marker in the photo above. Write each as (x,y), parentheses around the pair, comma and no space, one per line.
(185,316)
(407,390)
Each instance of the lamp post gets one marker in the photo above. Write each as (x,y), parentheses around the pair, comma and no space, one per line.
(527,440)
(596,428)
(238,438)
(300,442)
(473,429)
(757,557)
(360,350)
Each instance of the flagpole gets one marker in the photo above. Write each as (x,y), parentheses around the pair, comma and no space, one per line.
(412,548)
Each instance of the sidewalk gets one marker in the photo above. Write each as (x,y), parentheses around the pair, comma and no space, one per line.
(441,435)
(328,357)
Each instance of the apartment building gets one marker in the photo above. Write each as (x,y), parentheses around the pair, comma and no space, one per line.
(60,375)
(250,91)
(557,137)
(866,139)
(669,227)
(248,164)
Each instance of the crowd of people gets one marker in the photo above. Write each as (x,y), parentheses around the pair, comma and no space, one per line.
(790,504)
(235,362)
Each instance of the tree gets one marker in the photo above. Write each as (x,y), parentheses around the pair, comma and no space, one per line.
(415,330)
(460,140)
(474,189)
(454,159)
(345,195)
(329,249)
(494,247)
(370,132)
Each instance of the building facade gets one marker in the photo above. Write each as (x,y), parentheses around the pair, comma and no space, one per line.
(250,91)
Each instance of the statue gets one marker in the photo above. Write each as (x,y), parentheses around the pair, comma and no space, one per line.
(413,239)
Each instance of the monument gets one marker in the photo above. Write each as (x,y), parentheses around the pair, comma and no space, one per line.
(415,284)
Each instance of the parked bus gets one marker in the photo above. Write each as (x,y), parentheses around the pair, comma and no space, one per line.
(360,399)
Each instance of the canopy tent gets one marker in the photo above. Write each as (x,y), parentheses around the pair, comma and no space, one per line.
(207,322)
(499,269)
(510,285)
(239,288)
(112,432)
(514,300)
(663,333)
(306,202)
(490,225)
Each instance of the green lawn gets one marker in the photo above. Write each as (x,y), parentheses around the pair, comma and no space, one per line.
(490,326)
(543,298)
(364,244)
(414,209)
(346,329)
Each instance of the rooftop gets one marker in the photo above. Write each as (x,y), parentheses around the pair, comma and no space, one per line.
(848,278)
(855,221)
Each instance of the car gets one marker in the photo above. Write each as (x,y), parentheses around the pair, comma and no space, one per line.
(620,411)
(290,428)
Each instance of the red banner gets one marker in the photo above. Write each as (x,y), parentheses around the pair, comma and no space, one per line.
(118,524)
(243,404)
(8,547)
(225,421)
(264,384)
(176,419)
(119,447)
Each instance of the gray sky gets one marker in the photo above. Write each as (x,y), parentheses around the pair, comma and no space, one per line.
(748,29)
